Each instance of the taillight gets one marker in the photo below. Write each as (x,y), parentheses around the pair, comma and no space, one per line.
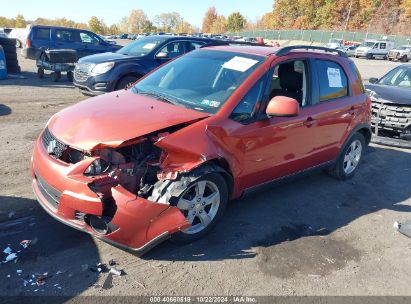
(28,43)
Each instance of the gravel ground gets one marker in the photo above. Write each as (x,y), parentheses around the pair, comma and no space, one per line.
(314,236)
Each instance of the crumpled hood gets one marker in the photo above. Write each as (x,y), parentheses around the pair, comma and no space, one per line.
(113,118)
(394,94)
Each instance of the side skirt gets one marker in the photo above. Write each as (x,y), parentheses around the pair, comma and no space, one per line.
(285,179)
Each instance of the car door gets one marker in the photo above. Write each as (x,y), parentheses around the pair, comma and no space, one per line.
(334,107)
(273,147)
(169,51)
(64,38)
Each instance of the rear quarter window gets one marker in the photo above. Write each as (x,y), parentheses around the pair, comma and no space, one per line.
(42,34)
(357,77)
(332,79)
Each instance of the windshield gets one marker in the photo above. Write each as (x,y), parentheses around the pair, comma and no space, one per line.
(141,47)
(369,44)
(401,48)
(202,80)
(399,77)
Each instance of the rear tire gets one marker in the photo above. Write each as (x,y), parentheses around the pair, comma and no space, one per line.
(55,76)
(70,76)
(40,73)
(349,160)
(18,44)
(404,59)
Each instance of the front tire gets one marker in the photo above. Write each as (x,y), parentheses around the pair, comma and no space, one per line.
(202,200)
(126,82)
(350,158)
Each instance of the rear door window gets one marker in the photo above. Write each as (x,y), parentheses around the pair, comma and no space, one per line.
(65,35)
(42,34)
(332,79)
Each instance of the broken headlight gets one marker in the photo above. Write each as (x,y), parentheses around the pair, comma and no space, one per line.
(97,167)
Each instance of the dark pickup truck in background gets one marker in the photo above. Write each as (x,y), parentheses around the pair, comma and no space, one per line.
(42,37)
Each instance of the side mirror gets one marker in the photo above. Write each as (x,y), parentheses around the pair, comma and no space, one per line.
(373,80)
(283,106)
(161,55)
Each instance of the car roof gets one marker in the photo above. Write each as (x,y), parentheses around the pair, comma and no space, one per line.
(268,51)
(57,27)
(254,50)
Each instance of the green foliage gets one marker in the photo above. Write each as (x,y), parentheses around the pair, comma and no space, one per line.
(236,22)
(96,25)
(380,15)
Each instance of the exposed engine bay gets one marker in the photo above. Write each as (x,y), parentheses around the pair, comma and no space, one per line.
(134,167)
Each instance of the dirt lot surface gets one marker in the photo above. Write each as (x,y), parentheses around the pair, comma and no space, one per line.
(314,236)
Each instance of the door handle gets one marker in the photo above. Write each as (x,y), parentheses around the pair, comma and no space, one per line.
(309,122)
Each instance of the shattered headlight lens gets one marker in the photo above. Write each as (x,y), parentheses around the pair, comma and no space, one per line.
(97,167)
(101,68)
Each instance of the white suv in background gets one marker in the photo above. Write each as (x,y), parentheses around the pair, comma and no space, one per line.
(402,53)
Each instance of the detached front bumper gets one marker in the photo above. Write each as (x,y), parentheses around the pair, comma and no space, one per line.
(136,223)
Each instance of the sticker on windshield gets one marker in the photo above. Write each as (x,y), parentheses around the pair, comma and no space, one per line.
(240,64)
(211,103)
(149,46)
(334,78)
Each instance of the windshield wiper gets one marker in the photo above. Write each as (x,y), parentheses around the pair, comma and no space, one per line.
(157,96)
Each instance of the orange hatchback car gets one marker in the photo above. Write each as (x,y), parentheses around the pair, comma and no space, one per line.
(163,158)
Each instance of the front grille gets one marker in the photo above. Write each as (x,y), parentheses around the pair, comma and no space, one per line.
(53,146)
(81,72)
(49,193)
(390,116)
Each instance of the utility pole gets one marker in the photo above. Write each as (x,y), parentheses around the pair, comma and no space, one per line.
(348,17)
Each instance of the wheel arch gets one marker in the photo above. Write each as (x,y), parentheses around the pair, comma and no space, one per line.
(221,166)
(363,129)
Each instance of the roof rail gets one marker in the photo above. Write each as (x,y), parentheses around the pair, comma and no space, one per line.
(285,50)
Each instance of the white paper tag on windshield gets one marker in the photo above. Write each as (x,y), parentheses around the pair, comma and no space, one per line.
(240,64)
(334,78)
(149,46)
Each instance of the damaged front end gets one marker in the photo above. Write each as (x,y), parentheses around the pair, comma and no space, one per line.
(106,192)
(391,122)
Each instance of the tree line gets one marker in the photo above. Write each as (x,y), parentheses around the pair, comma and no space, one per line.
(379,16)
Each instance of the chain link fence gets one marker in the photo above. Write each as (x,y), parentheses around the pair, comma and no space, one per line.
(320,36)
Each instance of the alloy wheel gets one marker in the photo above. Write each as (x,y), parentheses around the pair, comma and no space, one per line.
(199,204)
(352,156)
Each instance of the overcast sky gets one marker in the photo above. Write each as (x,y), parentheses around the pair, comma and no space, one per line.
(112,11)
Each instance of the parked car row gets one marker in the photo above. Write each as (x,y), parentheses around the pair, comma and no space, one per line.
(371,49)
